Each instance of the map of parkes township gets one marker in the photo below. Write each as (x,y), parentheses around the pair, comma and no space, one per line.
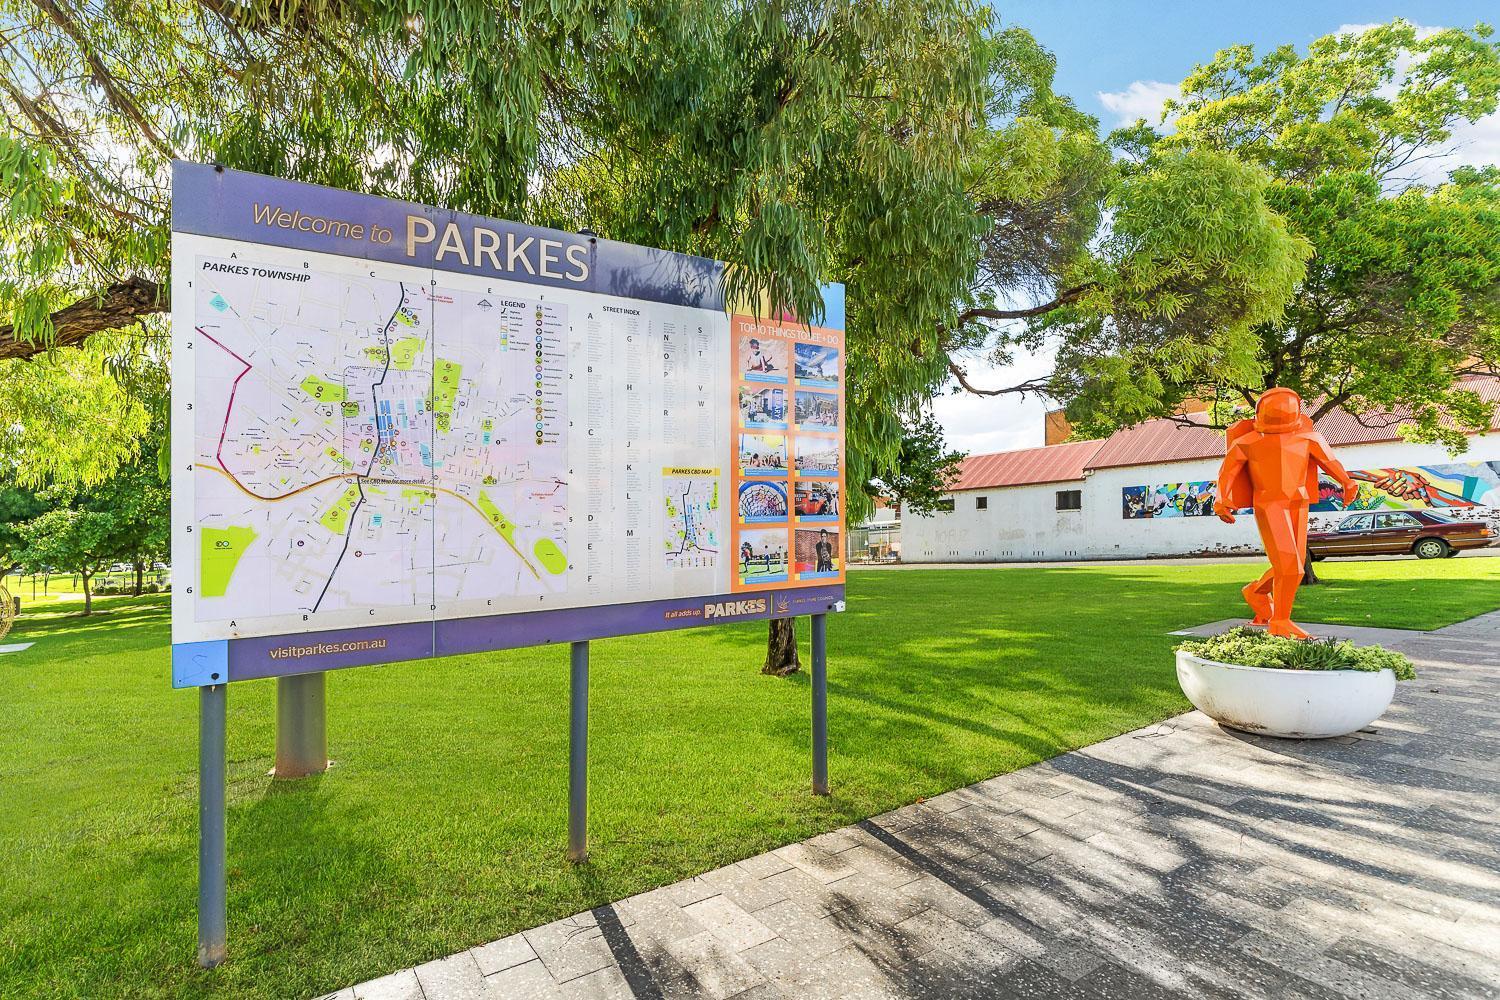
(374,445)
(692,500)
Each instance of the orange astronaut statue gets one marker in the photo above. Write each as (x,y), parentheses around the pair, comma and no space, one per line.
(1271,463)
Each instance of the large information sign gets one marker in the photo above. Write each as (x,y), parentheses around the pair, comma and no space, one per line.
(402,432)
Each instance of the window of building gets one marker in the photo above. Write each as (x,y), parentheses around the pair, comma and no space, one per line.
(945,505)
(981,503)
(1070,499)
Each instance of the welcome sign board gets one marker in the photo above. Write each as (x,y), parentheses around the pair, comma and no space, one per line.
(402,432)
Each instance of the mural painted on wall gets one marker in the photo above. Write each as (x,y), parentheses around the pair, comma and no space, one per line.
(1449,485)
(1169,500)
(1455,484)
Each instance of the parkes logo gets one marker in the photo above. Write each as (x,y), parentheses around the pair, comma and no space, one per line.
(735,609)
(782,605)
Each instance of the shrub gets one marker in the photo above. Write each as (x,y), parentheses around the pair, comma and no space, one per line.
(1248,647)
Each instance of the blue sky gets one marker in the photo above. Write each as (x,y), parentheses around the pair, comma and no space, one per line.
(1118,59)
(1104,46)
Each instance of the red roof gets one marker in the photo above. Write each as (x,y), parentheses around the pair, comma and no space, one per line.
(1052,464)
(1157,441)
(1170,441)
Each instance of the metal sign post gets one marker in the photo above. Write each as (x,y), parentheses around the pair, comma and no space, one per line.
(212,912)
(301,725)
(578,755)
(820,704)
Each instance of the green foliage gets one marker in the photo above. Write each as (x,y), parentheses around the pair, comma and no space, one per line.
(71,539)
(70,419)
(33,250)
(125,518)
(1196,259)
(1154,269)
(923,470)
(1249,647)
(1400,299)
(17,505)
(804,142)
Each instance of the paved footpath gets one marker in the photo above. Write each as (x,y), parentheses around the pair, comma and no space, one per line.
(1181,860)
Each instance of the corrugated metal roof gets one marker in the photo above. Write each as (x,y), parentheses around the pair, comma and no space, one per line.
(1170,441)
(1342,427)
(1157,441)
(1053,464)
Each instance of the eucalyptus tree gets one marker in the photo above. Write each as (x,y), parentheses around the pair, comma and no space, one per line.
(1400,301)
(804,142)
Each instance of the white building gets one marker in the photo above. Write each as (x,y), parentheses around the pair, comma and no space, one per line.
(1146,491)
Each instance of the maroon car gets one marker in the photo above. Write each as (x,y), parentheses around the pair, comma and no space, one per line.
(1393,532)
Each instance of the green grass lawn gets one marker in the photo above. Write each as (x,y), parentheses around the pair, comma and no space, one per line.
(443,823)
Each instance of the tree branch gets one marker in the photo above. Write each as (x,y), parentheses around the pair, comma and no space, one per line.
(122,102)
(121,304)
(1330,403)
(1065,297)
(961,377)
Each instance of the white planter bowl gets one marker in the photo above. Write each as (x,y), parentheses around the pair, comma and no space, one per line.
(1297,704)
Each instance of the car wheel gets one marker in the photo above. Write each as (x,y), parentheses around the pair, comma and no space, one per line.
(1431,548)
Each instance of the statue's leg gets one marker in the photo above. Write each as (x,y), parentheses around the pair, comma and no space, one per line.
(1257,594)
(1277,520)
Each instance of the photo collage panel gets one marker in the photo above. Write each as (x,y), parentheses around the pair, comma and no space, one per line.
(788,482)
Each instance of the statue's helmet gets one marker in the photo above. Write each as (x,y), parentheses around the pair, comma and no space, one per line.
(1278,411)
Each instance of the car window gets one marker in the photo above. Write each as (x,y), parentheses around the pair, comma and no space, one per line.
(1442,518)
(1394,520)
(1359,522)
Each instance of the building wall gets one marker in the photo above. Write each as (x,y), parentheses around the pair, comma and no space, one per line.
(1023,523)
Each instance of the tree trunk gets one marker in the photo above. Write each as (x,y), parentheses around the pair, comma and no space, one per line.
(88,595)
(1309,577)
(140,572)
(781,648)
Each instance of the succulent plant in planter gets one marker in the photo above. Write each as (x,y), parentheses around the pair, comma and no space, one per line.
(1251,647)
(1298,688)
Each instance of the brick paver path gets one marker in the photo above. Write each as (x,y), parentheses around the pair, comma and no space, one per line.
(1181,860)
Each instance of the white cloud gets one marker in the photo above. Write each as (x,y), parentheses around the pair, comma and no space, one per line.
(1142,99)
(1475,145)
(982,424)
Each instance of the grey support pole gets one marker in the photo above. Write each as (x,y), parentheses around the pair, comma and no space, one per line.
(820,704)
(301,725)
(212,920)
(578,755)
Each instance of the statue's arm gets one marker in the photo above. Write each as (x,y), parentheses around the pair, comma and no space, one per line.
(1235,461)
(1323,457)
